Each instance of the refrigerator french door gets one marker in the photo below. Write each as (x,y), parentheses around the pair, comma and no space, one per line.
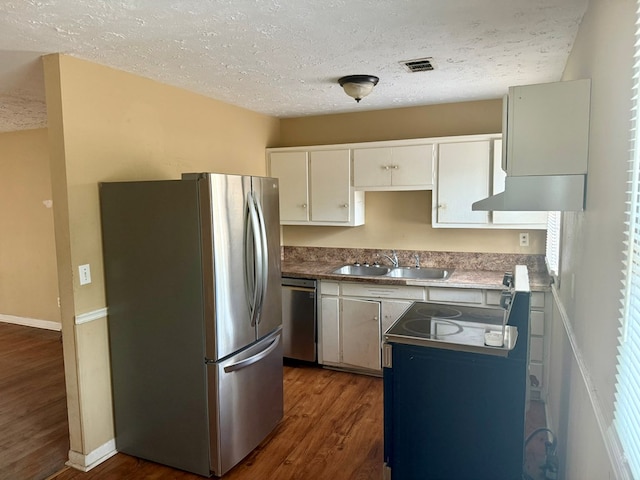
(192,271)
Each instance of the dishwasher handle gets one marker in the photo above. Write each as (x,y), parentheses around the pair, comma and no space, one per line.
(302,283)
(301,289)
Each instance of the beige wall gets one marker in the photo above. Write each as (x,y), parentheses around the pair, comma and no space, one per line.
(582,400)
(394,124)
(107,125)
(402,220)
(28,272)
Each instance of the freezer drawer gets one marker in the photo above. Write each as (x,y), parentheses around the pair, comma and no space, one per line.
(246,401)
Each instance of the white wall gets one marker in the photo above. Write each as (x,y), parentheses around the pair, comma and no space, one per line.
(583,347)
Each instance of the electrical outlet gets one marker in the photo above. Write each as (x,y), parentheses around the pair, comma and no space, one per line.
(85,274)
(524,239)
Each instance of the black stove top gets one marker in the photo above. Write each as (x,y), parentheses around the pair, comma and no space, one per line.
(451,324)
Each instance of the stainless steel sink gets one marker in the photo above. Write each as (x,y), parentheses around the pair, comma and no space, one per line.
(411,273)
(361,270)
(419,273)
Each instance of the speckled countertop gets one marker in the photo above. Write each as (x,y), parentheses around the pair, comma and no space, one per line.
(468,270)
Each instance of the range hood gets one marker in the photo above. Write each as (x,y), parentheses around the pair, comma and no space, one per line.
(537,193)
(545,148)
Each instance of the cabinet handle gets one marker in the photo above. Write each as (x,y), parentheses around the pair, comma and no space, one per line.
(395,167)
(385,167)
(345,205)
(304,205)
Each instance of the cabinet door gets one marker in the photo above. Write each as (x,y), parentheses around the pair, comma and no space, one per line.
(412,165)
(391,311)
(463,178)
(393,167)
(330,185)
(291,168)
(514,218)
(360,328)
(548,128)
(372,167)
(330,330)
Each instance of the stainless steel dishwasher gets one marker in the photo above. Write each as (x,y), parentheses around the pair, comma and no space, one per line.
(299,319)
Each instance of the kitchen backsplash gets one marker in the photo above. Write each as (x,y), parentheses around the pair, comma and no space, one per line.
(460,260)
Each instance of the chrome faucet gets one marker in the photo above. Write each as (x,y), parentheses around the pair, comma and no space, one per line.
(393,258)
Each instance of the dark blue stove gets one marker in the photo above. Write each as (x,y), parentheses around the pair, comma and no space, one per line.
(455,386)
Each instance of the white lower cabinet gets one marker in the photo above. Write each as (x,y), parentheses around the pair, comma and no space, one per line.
(538,349)
(391,311)
(360,332)
(353,318)
(330,330)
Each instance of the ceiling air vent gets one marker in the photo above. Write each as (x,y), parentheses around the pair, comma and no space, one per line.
(418,65)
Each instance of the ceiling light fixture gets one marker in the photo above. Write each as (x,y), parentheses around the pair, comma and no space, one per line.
(358,86)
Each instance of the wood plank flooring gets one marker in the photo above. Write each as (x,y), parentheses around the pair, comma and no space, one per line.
(332,427)
(332,430)
(34,433)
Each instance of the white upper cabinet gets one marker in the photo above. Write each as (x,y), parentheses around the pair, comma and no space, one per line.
(315,187)
(292,171)
(463,178)
(330,186)
(408,167)
(547,129)
(466,172)
(325,185)
(522,219)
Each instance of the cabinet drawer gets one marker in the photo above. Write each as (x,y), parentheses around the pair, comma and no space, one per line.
(536,349)
(493,297)
(455,295)
(537,323)
(329,288)
(382,291)
(537,300)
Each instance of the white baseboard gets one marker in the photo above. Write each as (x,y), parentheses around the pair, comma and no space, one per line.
(85,463)
(31,322)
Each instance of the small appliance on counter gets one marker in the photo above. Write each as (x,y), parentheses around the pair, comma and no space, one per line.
(192,270)
(455,389)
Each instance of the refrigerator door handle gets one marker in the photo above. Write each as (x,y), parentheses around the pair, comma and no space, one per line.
(255,284)
(254,358)
(264,256)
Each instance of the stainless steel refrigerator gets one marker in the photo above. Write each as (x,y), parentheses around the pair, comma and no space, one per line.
(192,271)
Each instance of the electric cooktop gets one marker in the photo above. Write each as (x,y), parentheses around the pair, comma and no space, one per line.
(477,329)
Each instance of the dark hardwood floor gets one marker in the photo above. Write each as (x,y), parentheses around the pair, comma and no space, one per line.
(332,430)
(332,427)
(34,433)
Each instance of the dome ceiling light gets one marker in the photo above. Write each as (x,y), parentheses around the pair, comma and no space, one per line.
(358,86)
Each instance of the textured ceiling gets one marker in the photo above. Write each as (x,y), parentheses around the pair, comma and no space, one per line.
(283,57)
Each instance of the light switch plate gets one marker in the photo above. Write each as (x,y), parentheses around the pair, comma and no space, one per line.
(85,274)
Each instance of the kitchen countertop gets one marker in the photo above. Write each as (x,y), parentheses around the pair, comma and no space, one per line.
(486,279)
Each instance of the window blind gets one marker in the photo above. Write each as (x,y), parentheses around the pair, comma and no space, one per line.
(627,400)
(554,220)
